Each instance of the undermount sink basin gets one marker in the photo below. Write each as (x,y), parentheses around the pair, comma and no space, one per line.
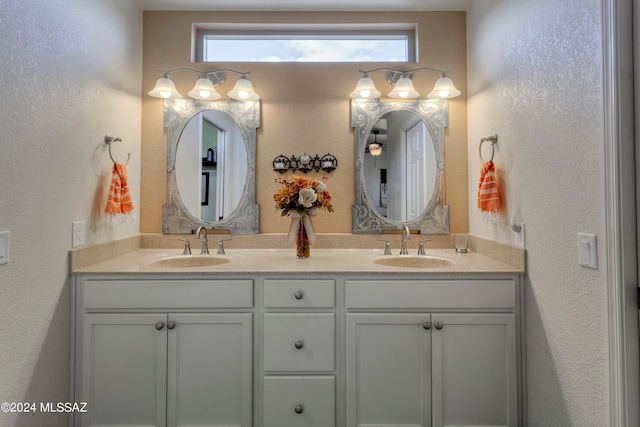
(187,261)
(413,262)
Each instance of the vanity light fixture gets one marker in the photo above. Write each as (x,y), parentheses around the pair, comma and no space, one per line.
(403,85)
(205,87)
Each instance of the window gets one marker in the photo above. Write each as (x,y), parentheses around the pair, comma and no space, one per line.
(305,43)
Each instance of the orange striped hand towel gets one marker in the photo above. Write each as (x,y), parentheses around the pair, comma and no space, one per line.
(119,201)
(488,198)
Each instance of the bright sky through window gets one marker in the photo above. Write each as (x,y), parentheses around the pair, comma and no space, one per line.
(300,49)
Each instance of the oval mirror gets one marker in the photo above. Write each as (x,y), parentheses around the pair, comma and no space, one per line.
(399,166)
(211,166)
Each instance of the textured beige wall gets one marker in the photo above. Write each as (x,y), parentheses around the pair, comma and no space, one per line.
(305,107)
(70,72)
(535,70)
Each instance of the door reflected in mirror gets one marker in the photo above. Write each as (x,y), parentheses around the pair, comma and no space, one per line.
(211,165)
(400,167)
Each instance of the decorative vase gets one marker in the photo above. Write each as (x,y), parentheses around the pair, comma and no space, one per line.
(303,245)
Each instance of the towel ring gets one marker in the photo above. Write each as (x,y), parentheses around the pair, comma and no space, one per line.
(108,140)
(492,139)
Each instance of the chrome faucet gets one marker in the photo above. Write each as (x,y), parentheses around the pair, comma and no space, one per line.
(205,240)
(406,235)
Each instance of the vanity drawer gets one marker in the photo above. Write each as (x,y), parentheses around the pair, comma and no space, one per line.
(299,342)
(167,294)
(299,401)
(446,294)
(299,293)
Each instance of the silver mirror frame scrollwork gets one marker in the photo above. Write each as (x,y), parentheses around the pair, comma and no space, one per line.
(365,217)
(245,218)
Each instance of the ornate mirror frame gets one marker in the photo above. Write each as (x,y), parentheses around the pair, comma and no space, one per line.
(245,218)
(365,217)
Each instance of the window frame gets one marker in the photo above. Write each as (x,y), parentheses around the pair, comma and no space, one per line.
(308,31)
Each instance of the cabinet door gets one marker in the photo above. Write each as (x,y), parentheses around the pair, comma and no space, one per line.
(388,370)
(124,370)
(210,370)
(474,370)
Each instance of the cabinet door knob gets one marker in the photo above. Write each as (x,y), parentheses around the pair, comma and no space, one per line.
(171,324)
(426,325)
(299,295)
(439,325)
(299,409)
(299,345)
(160,326)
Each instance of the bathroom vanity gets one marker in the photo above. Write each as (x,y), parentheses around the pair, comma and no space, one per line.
(262,339)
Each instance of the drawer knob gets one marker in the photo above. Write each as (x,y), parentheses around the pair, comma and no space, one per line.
(439,325)
(426,325)
(171,325)
(299,295)
(299,345)
(299,409)
(160,326)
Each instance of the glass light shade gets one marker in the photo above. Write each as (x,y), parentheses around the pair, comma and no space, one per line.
(404,89)
(365,89)
(444,89)
(204,89)
(243,90)
(165,89)
(375,149)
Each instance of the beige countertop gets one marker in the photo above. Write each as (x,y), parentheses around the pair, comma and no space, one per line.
(283,261)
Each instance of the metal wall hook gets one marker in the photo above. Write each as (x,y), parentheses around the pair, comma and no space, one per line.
(493,139)
(108,139)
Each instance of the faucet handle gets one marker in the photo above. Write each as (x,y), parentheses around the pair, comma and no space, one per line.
(421,246)
(221,245)
(387,246)
(187,246)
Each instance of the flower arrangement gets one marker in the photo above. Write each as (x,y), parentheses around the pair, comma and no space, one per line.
(300,198)
(301,194)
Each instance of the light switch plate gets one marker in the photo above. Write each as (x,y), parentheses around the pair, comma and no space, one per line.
(588,250)
(4,247)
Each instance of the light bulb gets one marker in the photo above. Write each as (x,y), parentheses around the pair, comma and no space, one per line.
(243,94)
(205,94)
(165,94)
(403,89)
(365,93)
(443,93)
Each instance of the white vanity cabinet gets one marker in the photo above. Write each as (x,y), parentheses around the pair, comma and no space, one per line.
(164,352)
(298,350)
(299,353)
(431,368)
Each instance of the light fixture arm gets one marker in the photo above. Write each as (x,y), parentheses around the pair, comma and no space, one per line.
(406,72)
(209,72)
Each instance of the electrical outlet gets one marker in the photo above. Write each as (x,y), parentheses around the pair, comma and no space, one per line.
(78,233)
(519,240)
(4,247)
